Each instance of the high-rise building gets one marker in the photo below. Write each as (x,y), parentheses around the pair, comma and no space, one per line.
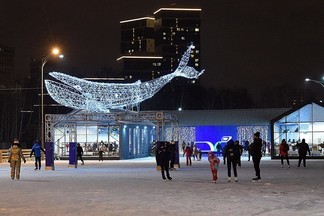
(139,58)
(175,30)
(153,46)
(7,75)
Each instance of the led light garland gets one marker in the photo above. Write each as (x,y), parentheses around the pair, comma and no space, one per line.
(101,97)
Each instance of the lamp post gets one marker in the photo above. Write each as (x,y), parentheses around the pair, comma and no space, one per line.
(55,52)
(315,81)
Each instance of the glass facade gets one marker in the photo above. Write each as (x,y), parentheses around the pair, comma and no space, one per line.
(304,123)
(91,138)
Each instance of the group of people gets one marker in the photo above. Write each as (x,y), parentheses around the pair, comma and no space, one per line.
(303,149)
(232,156)
(16,156)
(191,151)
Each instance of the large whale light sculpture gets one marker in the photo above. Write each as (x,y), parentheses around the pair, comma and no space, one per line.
(102,97)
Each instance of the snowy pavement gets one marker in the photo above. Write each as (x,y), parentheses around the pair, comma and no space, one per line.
(135,187)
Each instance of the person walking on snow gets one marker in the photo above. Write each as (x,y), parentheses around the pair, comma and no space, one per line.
(36,150)
(80,153)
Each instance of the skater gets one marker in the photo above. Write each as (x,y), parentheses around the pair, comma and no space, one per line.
(188,153)
(15,156)
(80,153)
(232,153)
(36,150)
(214,164)
(283,152)
(256,153)
(171,148)
(162,160)
(247,149)
(183,146)
(194,152)
(303,148)
(101,151)
(240,148)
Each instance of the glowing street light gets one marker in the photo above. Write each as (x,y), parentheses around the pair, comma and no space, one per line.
(316,81)
(55,53)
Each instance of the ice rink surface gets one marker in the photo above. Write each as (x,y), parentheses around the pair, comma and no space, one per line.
(135,187)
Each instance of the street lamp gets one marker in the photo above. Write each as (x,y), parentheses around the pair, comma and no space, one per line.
(315,81)
(55,52)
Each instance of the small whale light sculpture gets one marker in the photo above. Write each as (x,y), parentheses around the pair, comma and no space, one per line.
(102,97)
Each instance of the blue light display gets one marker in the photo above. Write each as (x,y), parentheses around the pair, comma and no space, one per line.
(207,137)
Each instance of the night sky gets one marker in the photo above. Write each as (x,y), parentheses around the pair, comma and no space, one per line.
(251,43)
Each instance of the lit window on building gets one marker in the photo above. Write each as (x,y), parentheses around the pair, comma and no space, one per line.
(197,51)
(196,60)
(164,38)
(154,64)
(158,64)
(183,38)
(164,33)
(196,29)
(197,64)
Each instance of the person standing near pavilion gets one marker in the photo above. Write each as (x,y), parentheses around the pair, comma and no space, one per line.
(303,148)
(256,153)
(80,153)
(15,156)
(36,150)
(283,152)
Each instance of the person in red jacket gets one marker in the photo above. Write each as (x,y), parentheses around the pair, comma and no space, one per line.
(283,152)
(188,153)
(214,163)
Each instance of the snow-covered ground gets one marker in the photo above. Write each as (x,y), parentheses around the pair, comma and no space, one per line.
(135,187)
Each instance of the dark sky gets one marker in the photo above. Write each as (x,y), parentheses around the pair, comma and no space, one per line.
(250,43)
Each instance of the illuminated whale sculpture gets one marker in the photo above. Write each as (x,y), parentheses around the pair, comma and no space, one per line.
(102,97)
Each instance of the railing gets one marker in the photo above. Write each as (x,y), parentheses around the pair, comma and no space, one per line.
(4,155)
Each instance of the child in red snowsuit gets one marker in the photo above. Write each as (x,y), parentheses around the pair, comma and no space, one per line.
(214,162)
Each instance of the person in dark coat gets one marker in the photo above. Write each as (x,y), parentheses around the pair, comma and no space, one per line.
(171,148)
(256,153)
(303,148)
(232,153)
(247,149)
(80,153)
(162,160)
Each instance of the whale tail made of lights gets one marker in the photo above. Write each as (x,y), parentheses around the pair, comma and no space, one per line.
(102,97)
